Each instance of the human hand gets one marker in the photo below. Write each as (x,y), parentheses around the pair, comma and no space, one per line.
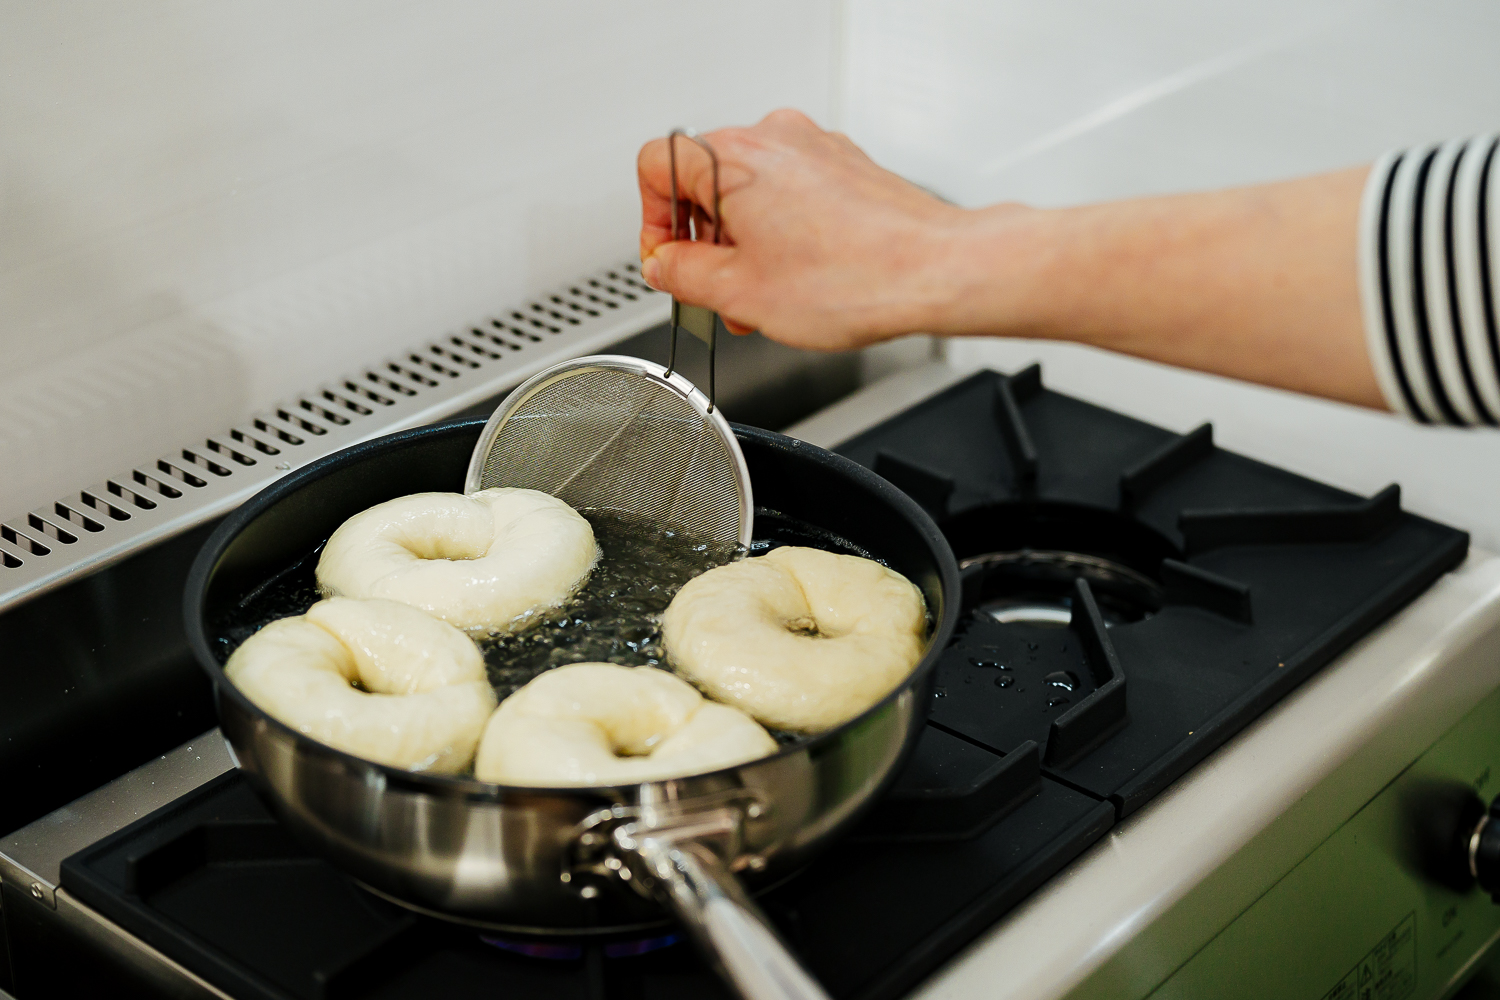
(821,248)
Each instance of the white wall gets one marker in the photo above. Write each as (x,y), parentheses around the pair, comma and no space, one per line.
(205,207)
(1064,101)
(1070,101)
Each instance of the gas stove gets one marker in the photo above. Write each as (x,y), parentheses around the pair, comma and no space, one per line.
(1173,723)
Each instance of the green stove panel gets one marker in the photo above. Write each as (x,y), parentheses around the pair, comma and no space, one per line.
(1363,917)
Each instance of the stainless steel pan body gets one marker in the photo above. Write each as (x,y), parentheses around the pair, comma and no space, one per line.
(565,860)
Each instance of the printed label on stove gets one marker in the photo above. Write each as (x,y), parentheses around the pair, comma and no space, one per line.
(1388,972)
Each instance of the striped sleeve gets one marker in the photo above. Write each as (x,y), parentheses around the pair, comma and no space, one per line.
(1429,261)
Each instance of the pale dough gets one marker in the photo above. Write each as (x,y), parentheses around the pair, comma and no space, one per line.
(423,698)
(492,560)
(602,724)
(800,638)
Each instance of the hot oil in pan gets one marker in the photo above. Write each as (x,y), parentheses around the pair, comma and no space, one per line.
(290,592)
(615,617)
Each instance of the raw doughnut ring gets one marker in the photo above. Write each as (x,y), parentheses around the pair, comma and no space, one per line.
(423,698)
(802,639)
(602,724)
(490,560)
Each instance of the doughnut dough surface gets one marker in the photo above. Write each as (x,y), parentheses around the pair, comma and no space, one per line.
(800,638)
(425,697)
(490,560)
(602,724)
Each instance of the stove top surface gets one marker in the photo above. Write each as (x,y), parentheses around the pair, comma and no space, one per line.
(1218,583)
(1132,597)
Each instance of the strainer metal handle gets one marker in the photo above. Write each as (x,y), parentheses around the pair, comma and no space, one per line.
(700,321)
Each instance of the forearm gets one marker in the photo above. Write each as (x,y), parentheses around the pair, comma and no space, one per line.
(1384,293)
(1257,283)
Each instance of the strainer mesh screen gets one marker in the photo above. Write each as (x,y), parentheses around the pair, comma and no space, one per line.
(616,439)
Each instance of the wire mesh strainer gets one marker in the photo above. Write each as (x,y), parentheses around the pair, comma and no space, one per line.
(624,434)
(620,433)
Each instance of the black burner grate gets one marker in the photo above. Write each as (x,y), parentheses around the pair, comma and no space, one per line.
(1264,577)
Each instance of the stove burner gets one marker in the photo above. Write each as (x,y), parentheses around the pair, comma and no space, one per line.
(1036,586)
(570,951)
(629,949)
(552,951)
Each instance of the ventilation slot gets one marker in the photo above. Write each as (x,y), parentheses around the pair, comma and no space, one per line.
(204,462)
(348,404)
(525,320)
(478,349)
(631,278)
(368,393)
(495,338)
(577,307)
(51,530)
(561,318)
(124,493)
(288,417)
(609,289)
(254,442)
(230,452)
(286,436)
(416,377)
(105,507)
(177,472)
(324,412)
(9,561)
(591,297)
(77,517)
(151,483)
(431,365)
(514,332)
(24,542)
(443,352)
(390,383)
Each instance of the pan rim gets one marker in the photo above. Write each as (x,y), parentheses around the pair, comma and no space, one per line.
(473,789)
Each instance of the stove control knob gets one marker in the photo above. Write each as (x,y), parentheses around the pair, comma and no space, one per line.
(1484,850)
(1443,817)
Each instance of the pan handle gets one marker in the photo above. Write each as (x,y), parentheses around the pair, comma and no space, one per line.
(693,879)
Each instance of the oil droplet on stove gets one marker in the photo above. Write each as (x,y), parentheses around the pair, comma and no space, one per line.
(987,663)
(1032,646)
(1057,699)
(940,692)
(1064,680)
(1004,681)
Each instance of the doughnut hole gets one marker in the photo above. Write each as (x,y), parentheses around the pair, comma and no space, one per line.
(394,649)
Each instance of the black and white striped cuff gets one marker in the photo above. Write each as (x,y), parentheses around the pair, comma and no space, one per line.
(1429,262)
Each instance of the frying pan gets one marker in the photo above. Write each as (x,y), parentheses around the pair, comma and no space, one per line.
(575,860)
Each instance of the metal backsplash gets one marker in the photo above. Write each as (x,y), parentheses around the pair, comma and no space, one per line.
(100,524)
